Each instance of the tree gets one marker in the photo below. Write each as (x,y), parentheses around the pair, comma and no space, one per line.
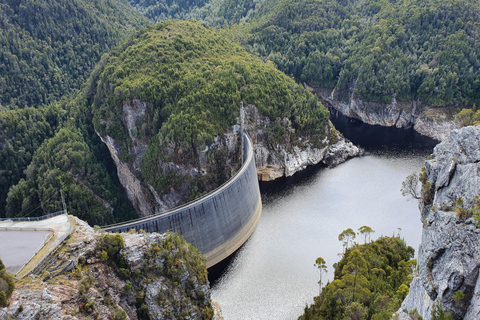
(7,285)
(346,236)
(410,187)
(322,268)
(366,232)
(354,274)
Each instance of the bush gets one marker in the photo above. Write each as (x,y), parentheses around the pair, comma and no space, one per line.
(7,285)
(110,247)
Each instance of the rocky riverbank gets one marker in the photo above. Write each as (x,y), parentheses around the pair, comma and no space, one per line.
(96,275)
(275,159)
(449,254)
(435,123)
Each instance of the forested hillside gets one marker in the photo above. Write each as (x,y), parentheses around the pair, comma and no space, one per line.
(381,50)
(183,82)
(212,12)
(48,48)
(424,50)
(371,281)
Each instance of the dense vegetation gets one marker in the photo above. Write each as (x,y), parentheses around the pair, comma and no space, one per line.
(370,282)
(468,117)
(6,285)
(179,265)
(65,162)
(423,50)
(192,80)
(213,12)
(49,48)
(22,132)
(382,50)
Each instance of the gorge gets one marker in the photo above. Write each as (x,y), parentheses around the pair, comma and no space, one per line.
(272,275)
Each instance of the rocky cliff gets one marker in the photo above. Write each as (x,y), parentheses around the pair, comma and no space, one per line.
(278,157)
(435,123)
(103,276)
(449,254)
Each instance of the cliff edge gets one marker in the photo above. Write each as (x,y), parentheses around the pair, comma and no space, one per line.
(449,254)
(99,275)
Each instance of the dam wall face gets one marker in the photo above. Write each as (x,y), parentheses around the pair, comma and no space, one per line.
(219,222)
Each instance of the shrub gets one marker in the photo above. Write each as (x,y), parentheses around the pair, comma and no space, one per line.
(458,296)
(7,285)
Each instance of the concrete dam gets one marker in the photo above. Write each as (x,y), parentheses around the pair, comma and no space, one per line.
(219,222)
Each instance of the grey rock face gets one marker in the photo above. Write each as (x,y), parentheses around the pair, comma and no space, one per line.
(285,159)
(434,123)
(62,296)
(455,166)
(449,254)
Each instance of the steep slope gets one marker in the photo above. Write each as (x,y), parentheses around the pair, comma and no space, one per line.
(22,132)
(391,63)
(382,62)
(449,254)
(66,163)
(166,101)
(370,282)
(105,276)
(49,47)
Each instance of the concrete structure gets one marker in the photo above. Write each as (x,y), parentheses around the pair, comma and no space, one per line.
(218,223)
(58,224)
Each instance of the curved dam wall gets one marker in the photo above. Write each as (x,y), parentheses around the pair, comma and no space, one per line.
(218,223)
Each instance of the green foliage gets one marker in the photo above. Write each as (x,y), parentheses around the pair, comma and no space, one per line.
(111,245)
(366,232)
(7,285)
(346,237)
(65,162)
(124,273)
(162,10)
(458,296)
(371,281)
(468,117)
(48,48)
(128,286)
(192,80)
(410,186)
(381,50)
(175,259)
(21,134)
(439,314)
(322,268)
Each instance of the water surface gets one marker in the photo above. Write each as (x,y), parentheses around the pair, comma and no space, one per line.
(272,276)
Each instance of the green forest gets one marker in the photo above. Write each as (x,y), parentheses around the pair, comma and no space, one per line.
(370,282)
(380,50)
(68,67)
(49,48)
(407,50)
(193,80)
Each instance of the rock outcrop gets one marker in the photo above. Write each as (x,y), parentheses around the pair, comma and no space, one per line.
(275,159)
(435,123)
(158,275)
(449,254)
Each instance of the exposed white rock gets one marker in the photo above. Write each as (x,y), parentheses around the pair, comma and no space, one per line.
(431,122)
(56,294)
(275,160)
(449,254)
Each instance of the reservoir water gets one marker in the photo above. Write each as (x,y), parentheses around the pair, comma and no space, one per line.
(272,276)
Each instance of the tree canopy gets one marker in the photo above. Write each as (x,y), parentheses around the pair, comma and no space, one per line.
(49,48)
(371,281)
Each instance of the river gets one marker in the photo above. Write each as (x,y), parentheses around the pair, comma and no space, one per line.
(272,275)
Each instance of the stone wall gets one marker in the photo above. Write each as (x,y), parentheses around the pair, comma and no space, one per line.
(218,223)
